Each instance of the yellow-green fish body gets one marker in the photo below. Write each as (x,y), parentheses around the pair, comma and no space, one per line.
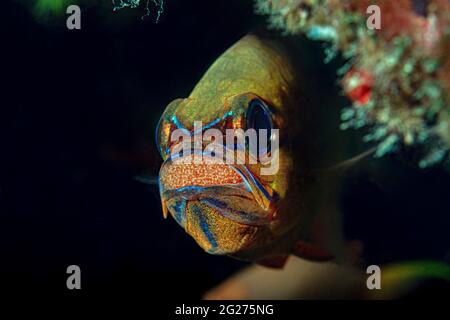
(233,209)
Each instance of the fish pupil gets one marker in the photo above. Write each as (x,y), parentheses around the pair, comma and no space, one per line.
(259,118)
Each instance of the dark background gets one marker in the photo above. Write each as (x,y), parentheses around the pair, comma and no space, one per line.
(77,115)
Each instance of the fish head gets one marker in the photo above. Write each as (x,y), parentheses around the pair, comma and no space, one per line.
(226,206)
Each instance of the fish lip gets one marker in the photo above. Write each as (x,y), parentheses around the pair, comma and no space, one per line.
(195,192)
(242,189)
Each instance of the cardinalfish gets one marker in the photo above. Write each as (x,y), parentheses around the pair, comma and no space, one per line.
(235,208)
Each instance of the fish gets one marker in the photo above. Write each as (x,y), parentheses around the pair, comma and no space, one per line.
(234,209)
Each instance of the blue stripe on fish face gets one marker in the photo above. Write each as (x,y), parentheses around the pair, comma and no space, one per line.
(239,216)
(179,212)
(204,226)
(211,124)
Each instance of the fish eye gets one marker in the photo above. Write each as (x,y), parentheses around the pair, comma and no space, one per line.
(259,118)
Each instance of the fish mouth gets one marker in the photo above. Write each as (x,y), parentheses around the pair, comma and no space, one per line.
(231,190)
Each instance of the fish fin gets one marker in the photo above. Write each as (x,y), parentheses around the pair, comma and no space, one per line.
(349,163)
(312,252)
(147,179)
(277,262)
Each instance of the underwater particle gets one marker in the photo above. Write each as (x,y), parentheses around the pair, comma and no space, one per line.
(120,4)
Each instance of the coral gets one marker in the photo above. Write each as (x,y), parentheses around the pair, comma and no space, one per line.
(398,77)
(120,4)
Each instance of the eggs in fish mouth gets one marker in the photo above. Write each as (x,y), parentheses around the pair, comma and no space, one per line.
(201,174)
(220,205)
